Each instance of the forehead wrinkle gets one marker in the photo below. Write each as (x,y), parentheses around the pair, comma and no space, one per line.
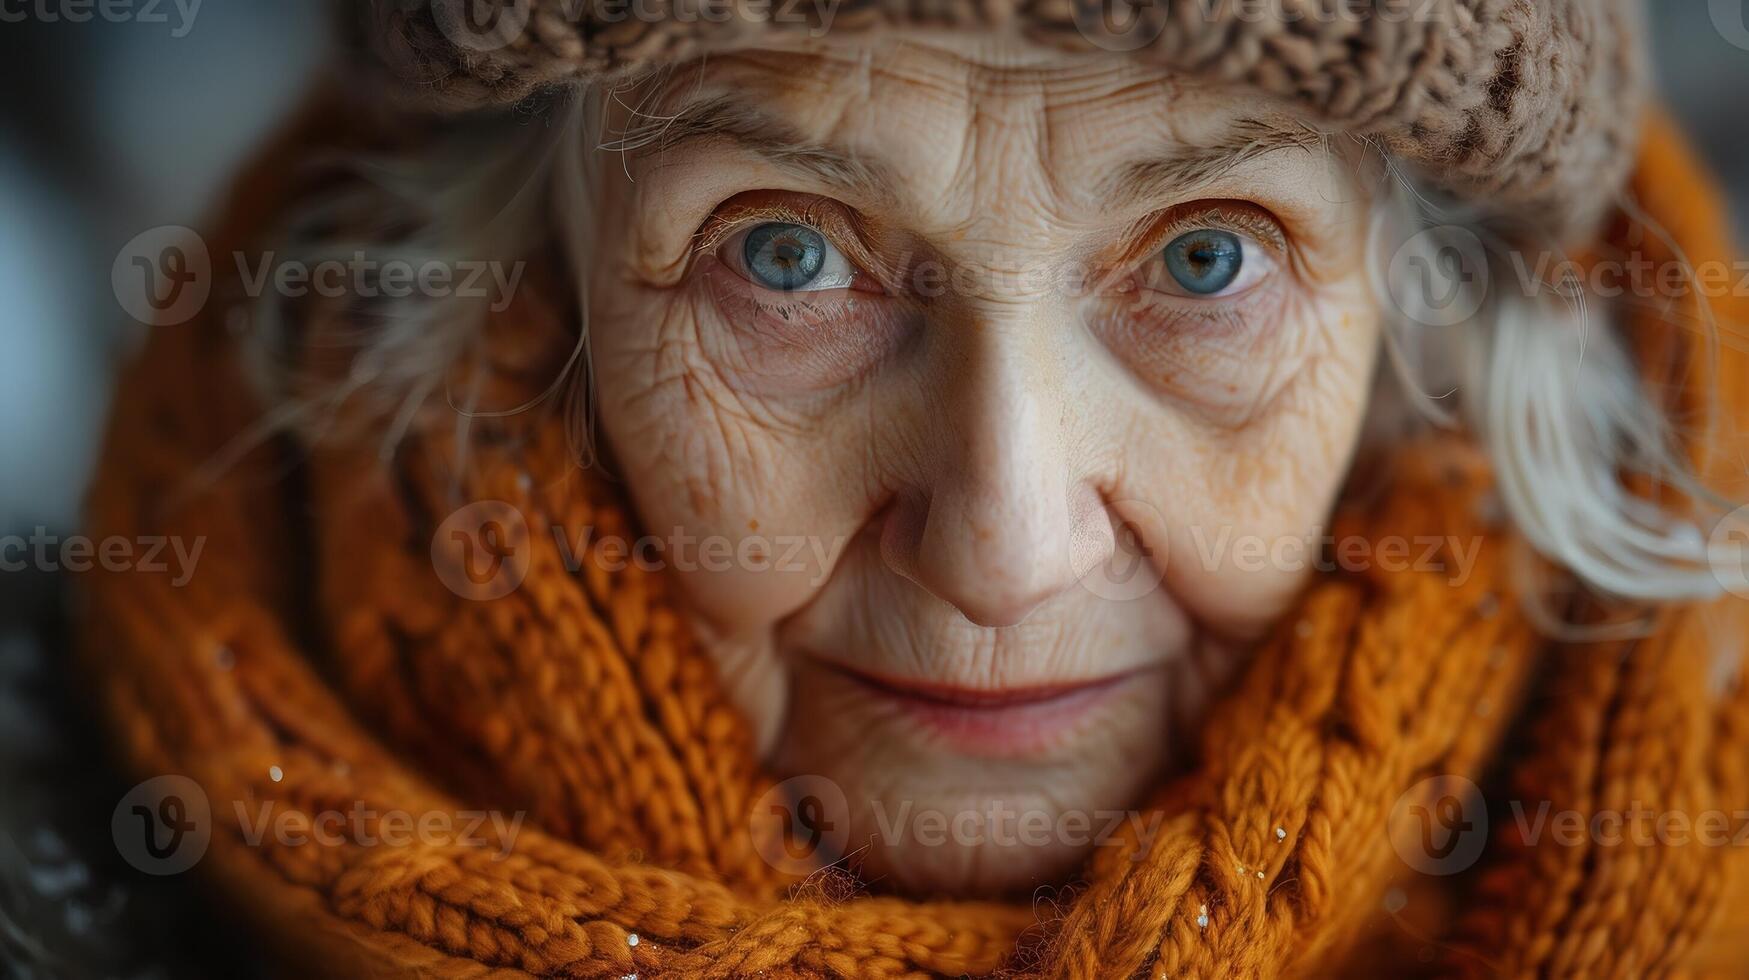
(1012,132)
(752,127)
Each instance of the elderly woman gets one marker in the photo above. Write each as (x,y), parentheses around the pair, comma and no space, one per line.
(1192,490)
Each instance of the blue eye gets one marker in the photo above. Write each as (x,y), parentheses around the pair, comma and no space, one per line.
(1205,261)
(785,256)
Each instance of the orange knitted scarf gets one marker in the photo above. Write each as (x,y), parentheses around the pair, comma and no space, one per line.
(316,665)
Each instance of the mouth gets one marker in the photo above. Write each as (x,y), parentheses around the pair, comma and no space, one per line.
(993,722)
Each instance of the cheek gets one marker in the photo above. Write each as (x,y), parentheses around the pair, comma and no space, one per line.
(1220,364)
(668,427)
(1243,506)
(800,344)
(738,492)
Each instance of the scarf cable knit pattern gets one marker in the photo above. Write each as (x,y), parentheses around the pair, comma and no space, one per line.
(315,662)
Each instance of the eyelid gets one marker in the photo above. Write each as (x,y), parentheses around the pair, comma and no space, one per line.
(826,216)
(1239,217)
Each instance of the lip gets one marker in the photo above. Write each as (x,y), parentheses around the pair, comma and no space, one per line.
(1005,722)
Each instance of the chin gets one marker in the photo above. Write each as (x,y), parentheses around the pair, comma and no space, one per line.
(976,791)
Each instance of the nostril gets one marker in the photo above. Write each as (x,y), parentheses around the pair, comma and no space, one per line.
(902,537)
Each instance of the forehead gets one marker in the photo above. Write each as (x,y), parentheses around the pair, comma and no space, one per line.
(903,117)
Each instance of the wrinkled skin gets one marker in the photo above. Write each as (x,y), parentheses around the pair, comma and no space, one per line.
(992,444)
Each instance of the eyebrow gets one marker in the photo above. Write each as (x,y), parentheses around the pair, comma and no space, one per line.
(731,118)
(1185,168)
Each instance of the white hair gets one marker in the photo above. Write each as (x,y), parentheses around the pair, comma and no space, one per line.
(1544,380)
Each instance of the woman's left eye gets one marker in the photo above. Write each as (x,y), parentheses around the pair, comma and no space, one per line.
(1207,263)
(789,258)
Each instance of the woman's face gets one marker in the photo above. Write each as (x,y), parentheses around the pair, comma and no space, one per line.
(961,381)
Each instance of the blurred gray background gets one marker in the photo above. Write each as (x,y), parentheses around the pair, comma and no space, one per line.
(110,128)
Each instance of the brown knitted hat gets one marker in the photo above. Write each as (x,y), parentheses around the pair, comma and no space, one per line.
(1527,107)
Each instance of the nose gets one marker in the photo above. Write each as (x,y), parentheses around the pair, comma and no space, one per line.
(998,527)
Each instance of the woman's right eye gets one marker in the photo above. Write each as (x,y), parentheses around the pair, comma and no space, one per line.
(789,258)
(1209,263)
